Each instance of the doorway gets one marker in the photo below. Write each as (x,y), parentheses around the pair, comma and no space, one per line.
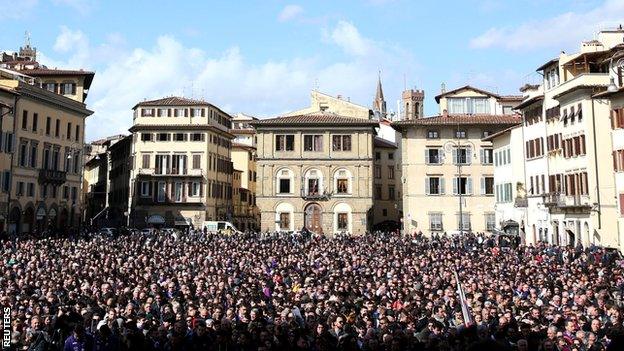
(313,217)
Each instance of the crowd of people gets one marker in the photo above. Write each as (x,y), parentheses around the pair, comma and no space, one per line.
(382,291)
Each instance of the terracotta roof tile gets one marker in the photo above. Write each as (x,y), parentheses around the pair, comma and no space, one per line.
(315,118)
(503,120)
(484,92)
(379,142)
(173,101)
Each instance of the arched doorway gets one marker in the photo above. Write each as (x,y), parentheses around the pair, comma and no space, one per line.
(571,238)
(313,217)
(29,220)
(15,219)
(41,219)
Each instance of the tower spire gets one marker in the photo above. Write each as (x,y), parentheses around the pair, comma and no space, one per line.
(379,104)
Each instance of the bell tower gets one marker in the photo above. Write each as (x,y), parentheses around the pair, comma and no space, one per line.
(413,101)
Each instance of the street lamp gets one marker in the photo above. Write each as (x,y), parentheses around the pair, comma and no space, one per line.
(618,57)
(457,145)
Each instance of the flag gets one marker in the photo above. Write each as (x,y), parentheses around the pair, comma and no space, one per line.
(462,300)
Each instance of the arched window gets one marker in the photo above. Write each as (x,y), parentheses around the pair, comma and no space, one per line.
(343,184)
(284,217)
(342,218)
(284,181)
(313,182)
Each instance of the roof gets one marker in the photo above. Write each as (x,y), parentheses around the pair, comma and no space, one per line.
(529,101)
(243,131)
(39,72)
(485,92)
(380,142)
(499,133)
(242,146)
(450,120)
(172,101)
(540,68)
(315,119)
(606,93)
(512,97)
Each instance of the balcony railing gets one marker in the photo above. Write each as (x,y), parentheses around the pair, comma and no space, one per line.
(307,195)
(171,172)
(149,201)
(48,176)
(567,201)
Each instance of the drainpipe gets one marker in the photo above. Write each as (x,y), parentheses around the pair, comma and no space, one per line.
(13,142)
(596,165)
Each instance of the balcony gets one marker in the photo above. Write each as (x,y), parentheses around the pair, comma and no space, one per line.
(149,201)
(567,201)
(48,176)
(584,80)
(315,196)
(171,172)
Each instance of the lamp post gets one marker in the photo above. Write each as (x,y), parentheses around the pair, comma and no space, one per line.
(457,145)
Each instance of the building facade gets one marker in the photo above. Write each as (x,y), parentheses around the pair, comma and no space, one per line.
(181,163)
(316,171)
(247,217)
(509,188)
(448,169)
(571,191)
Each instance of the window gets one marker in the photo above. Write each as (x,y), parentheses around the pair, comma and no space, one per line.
(435,221)
(433,156)
(145,189)
(378,172)
(6,181)
(197,137)
(343,221)
(468,105)
(487,186)
(433,134)
(462,185)
(487,156)
(179,137)
(284,221)
(463,222)
(390,155)
(342,185)
(195,189)
(384,212)
(434,185)
(196,161)
(341,143)
(162,164)
(23,155)
(460,134)
(57,129)
(180,112)
(378,192)
(65,192)
(490,221)
(377,155)
(50,87)
(163,112)
(390,172)
(147,136)
(507,110)
(31,190)
(76,161)
(77,136)
(197,112)
(146,161)
(284,180)
(163,136)
(391,192)
(313,143)
(33,155)
(161,191)
(178,192)
(48,125)
(20,188)
(69,129)
(284,143)
(462,155)
(68,89)
(503,192)
(147,112)
(35,123)
(314,184)
(24,119)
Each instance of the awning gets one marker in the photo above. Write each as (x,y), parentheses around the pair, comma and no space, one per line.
(181,221)
(155,219)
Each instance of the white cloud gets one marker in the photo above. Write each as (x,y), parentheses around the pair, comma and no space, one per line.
(290,12)
(82,6)
(226,79)
(563,31)
(12,9)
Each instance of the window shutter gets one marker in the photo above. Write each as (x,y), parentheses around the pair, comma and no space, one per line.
(455,156)
(621,204)
(186,112)
(482,155)
(426,156)
(469,186)
(455,180)
(427,186)
(482,185)
(469,155)
(442,190)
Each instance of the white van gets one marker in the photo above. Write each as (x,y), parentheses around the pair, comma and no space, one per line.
(220,227)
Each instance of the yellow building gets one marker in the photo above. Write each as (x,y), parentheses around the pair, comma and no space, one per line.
(182,168)
(316,171)
(244,159)
(447,169)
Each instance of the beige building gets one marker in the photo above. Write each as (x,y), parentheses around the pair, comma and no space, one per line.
(572,196)
(244,159)
(316,171)
(447,168)
(182,169)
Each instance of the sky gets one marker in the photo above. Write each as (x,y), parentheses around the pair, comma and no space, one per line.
(264,57)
